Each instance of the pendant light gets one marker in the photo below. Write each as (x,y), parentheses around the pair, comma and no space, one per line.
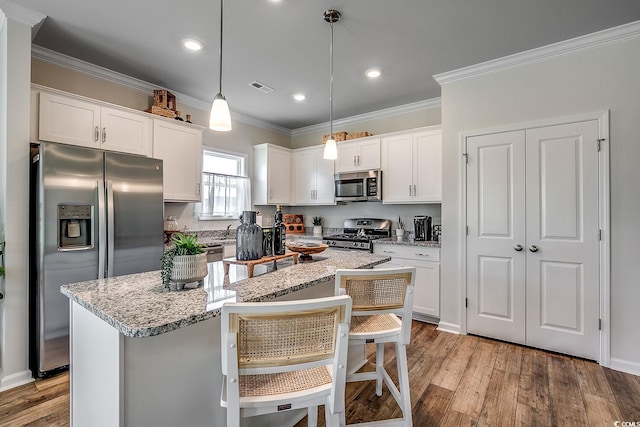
(220,118)
(330,149)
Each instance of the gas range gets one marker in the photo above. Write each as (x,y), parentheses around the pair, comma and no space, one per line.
(359,234)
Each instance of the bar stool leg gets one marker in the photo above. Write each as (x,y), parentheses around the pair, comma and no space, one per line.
(379,368)
(312,416)
(403,380)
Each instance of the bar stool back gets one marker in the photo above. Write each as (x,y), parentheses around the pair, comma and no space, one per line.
(279,356)
(382,307)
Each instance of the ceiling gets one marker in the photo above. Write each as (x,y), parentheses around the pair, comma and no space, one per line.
(285,45)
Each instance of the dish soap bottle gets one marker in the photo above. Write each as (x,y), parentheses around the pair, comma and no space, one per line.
(279,233)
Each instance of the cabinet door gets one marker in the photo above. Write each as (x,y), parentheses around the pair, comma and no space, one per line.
(180,148)
(397,174)
(125,131)
(427,166)
(304,176)
(325,194)
(69,120)
(347,157)
(279,176)
(369,154)
(426,295)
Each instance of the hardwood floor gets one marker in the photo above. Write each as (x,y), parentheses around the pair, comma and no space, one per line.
(455,380)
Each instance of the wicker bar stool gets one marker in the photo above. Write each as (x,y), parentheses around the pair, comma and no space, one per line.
(279,356)
(379,297)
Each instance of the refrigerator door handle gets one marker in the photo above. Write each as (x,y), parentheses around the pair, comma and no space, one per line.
(102,229)
(110,228)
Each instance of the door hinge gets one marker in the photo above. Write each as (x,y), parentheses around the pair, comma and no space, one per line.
(466,302)
(599,234)
(599,324)
(466,158)
(600,140)
(467,230)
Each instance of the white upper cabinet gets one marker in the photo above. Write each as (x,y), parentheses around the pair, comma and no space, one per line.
(75,121)
(358,154)
(271,175)
(412,167)
(312,177)
(179,146)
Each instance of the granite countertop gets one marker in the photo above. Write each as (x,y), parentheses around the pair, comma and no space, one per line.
(138,305)
(406,241)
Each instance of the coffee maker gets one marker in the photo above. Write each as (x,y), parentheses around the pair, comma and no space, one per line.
(422,227)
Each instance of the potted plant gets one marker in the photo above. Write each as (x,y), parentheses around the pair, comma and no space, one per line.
(184,262)
(317,226)
(400,229)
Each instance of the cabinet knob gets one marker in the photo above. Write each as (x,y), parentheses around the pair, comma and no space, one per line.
(97,134)
(104,135)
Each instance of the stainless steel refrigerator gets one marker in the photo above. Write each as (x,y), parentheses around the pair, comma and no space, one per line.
(94,214)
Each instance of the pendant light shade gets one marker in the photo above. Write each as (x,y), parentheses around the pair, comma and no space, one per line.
(220,118)
(330,149)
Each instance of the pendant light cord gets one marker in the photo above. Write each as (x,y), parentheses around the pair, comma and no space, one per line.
(221,14)
(331,84)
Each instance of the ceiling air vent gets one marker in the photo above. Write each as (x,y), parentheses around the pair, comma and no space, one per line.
(261,87)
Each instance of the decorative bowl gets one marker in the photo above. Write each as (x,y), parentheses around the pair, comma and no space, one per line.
(306,249)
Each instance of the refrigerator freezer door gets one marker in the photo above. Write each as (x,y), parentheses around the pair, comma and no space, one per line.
(135,213)
(68,176)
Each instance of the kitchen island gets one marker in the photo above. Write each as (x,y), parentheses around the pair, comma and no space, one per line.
(142,355)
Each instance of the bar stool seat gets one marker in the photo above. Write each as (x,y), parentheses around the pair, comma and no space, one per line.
(281,356)
(381,313)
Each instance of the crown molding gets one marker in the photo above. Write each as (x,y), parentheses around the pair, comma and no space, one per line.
(374,115)
(69,62)
(601,38)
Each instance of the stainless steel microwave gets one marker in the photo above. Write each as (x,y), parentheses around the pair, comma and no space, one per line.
(358,186)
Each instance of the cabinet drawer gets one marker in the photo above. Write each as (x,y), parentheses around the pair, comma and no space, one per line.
(422,253)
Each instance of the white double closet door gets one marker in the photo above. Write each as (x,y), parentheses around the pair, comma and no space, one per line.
(533,237)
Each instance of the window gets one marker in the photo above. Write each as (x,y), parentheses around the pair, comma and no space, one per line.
(226,191)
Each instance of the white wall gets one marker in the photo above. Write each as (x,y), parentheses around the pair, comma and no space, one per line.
(605,77)
(15,62)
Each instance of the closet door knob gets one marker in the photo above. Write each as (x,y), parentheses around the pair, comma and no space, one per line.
(518,248)
(533,248)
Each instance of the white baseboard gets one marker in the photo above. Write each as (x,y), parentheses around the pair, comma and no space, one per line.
(449,327)
(625,366)
(15,380)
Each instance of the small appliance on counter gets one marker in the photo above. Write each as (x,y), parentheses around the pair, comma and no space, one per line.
(422,227)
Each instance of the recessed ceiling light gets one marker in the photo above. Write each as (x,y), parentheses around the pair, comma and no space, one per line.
(299,96)
(373,73)
(192,44)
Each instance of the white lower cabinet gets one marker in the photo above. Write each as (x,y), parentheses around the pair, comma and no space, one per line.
(426,260)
